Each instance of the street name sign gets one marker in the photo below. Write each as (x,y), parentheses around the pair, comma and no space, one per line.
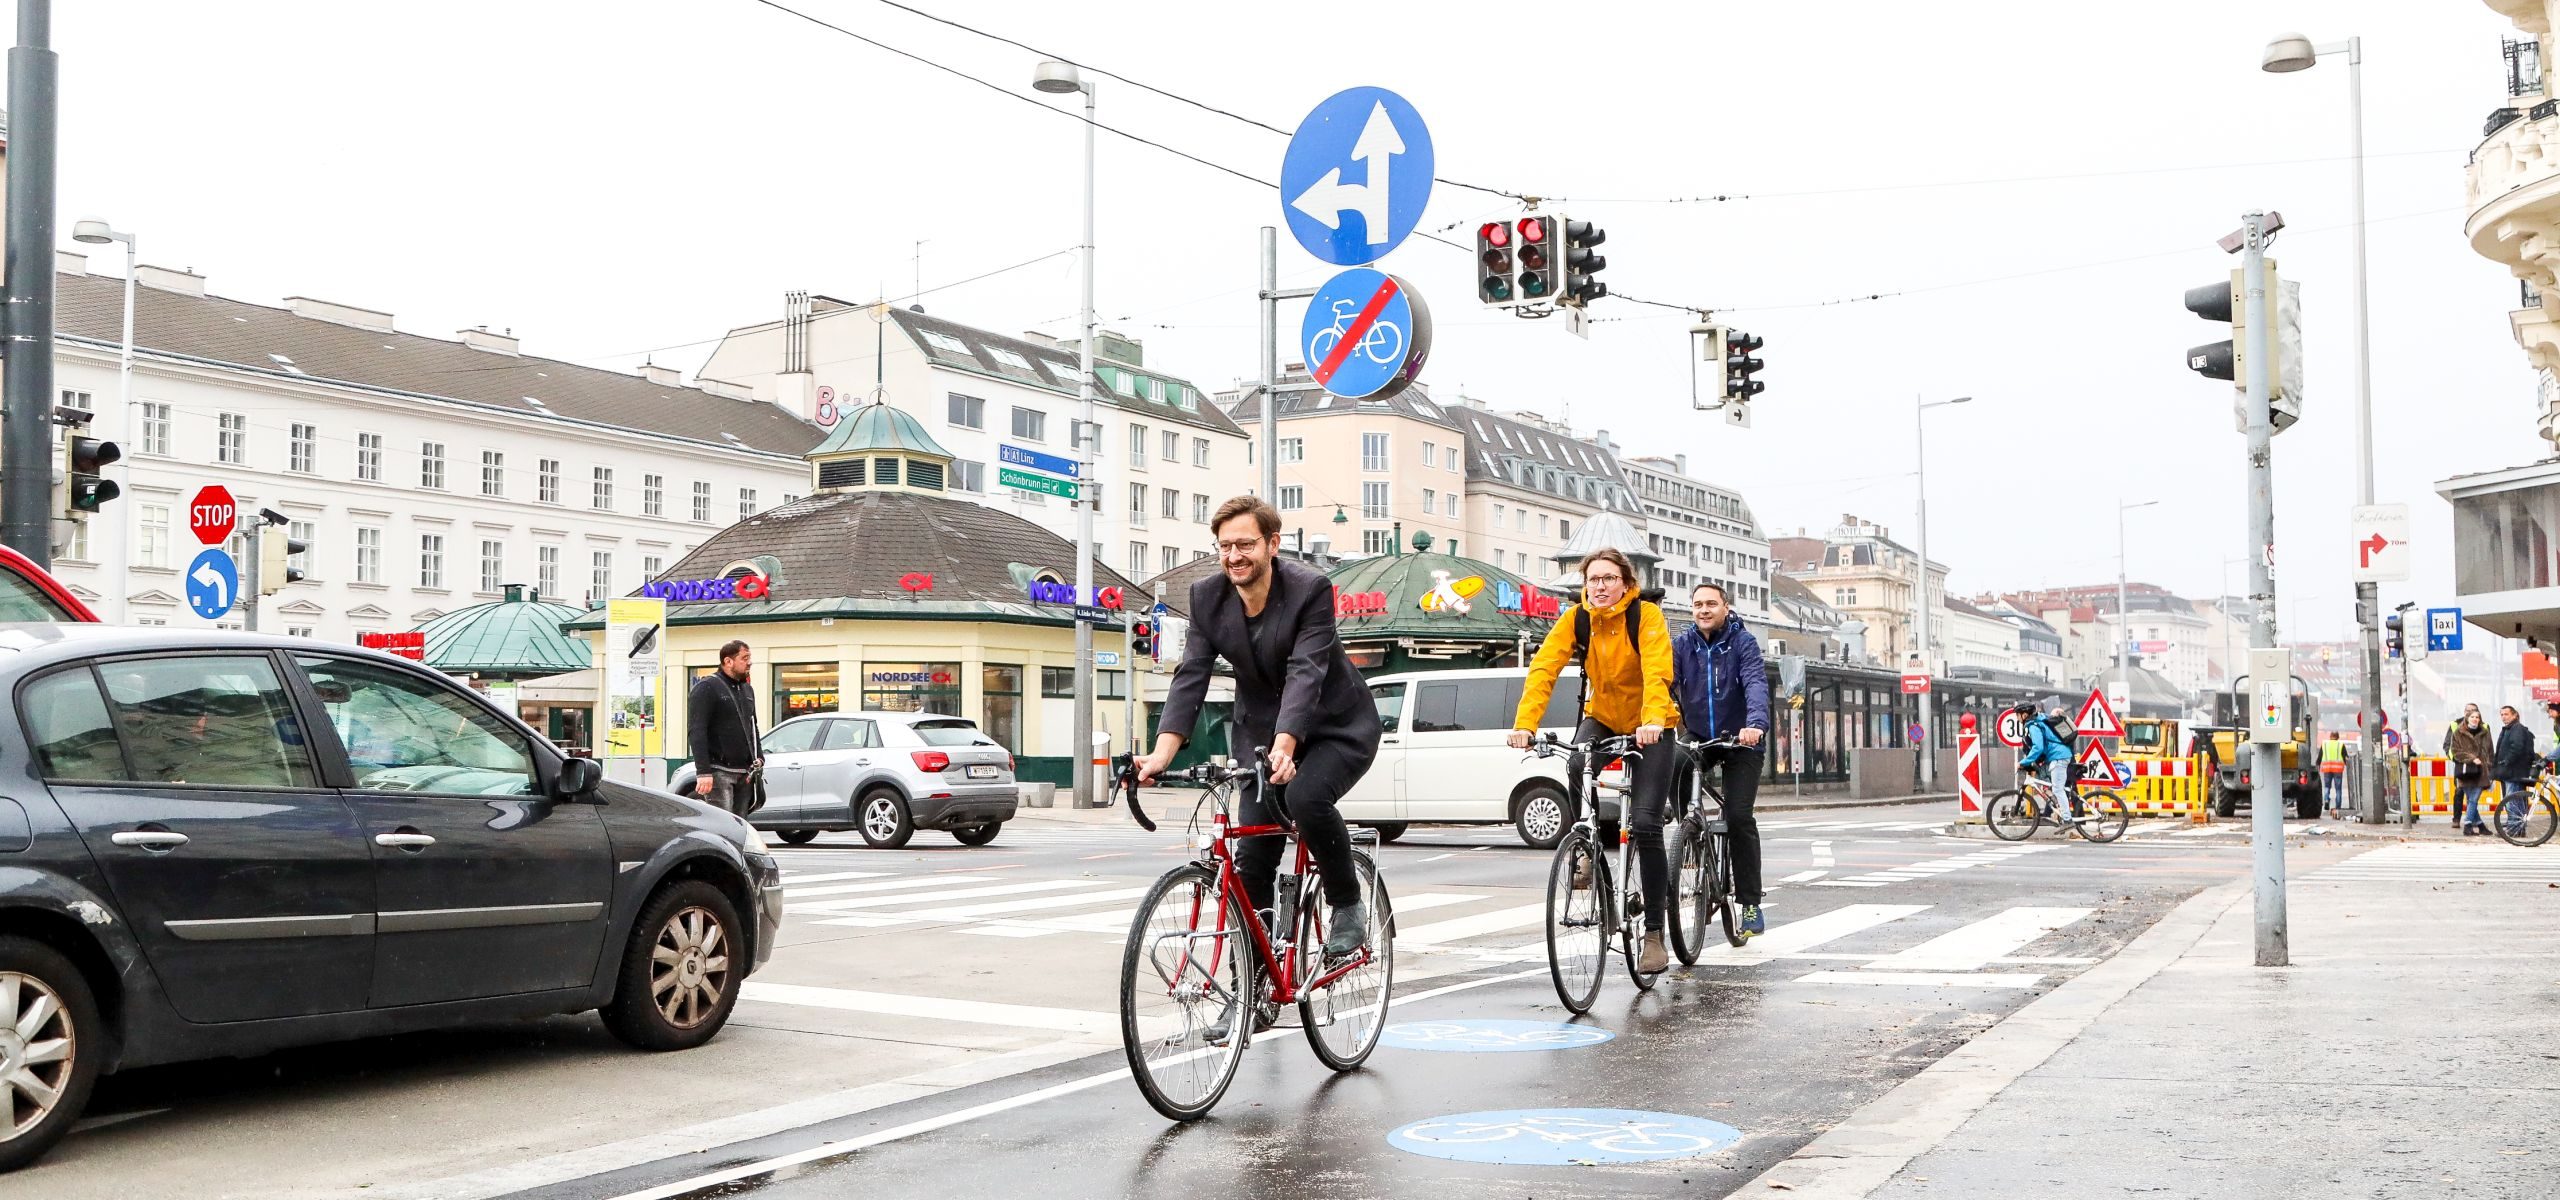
(1037,461)
(2381,549)
(1025,481)
(1372,133)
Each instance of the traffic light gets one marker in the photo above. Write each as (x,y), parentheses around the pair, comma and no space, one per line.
(1142,637)
(1536,255)
(1494,264)
(275,557)
(1582,262)
(2391,642)
(2229,360)
(1739,366)
(83,490)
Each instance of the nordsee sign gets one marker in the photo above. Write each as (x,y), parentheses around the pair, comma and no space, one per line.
(744,587)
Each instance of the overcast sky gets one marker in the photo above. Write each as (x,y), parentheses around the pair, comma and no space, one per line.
(2029,186)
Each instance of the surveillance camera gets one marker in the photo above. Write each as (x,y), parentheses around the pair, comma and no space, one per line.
(271,516)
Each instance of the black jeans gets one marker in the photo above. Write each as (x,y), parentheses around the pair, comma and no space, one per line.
(1647,799)
(1741,782)
(1326,770)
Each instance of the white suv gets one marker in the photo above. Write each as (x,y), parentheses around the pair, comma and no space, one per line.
(1442,760)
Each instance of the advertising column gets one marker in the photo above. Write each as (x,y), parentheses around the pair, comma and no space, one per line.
(634,691)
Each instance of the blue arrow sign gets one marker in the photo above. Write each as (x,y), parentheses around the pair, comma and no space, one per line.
(1037,461)
(2444,629)
(213,583)
(1366,333)
(1370,133)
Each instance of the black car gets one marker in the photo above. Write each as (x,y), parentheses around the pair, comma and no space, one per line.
(218,844)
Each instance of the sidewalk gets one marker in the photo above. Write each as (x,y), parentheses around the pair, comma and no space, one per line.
(2406,1052)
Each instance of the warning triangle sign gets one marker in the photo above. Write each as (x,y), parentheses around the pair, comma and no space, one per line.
(2097,718)
(2099,767)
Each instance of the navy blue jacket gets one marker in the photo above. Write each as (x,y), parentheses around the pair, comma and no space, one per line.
(1720,683)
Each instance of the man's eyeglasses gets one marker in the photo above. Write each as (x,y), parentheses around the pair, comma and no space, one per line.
(1238,549)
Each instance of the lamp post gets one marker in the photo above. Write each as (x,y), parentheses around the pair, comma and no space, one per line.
(95,232)
(2294,52)
(2124,619)
(1920,638)
(1059,79)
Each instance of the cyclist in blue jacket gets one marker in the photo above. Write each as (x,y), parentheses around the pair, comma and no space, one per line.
(1722,687)
(2047,748)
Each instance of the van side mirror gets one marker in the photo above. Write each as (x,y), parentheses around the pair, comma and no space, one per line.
(578,778)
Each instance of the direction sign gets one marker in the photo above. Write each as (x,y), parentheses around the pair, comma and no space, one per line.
(2012,729)
(2099,767)
(213,583)
(1375,134)
(2097,717)
(1064,489)
(2381,547)
(211,514)
(1037,461)
(1106,658)
(1913,685)
(1366,333)
(2444,629)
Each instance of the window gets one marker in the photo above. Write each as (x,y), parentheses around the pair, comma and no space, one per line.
(151,545)
(300,631)
(1199,452)
(943,341)
(652,566)
(653,495)
(746,503)
(1172,557)
(1497,516)
(1431,454)
(1137,447)
(1293,450)
(220,721)
(1292,497)
(1844,597)
(1453,460)
(547,481)
(702,502)
(369,457)
(1373,452)
(1067,374)
(1199,509)
(1520,520)
(78,548)
(1057,683)
(493,473)
(305,448)
(968,476)
(155,428)
(1172,443)
(1542,524)
(1430,501)
(1449,504)
(1373,501)
(1137,504)
(1377,541)
(306,533)
(368,554)
(546,572)
(601,579)
(431,465)
(431,560)
(1449,708)
(1030,425)
(999,705)
(1520,561)
(602,501)
(932,687)
(1564,528)
(1389,697)
(967,412)
(1137,558)
(1171,508)
(231,439)
(410,735)
(493,565)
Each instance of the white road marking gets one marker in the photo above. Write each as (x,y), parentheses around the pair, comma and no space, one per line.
(936,1008)
(889,885)
(1810,932)
(1443,932)
(1822,854)
(1923,979)
(965,893)
(1974,946)
(796,878)
(1804,876)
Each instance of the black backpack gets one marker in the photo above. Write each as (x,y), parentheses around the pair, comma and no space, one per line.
(2066,732)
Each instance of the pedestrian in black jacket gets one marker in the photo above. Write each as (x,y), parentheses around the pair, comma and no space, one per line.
(720,726)
(2513,764)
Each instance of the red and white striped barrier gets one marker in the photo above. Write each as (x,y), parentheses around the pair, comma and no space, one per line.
(1969,777)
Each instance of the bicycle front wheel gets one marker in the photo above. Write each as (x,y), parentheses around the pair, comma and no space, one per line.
(1728,910)
(2528,821)
(2012,815)
(1188,969)
(1343,1018)
(1693,899)
(2107,814)
(1578,921)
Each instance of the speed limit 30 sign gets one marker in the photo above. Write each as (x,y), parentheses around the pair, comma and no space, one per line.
(2012,729)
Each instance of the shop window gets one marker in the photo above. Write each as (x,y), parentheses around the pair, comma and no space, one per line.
(911,687)
(1057,683)
(1001,704)
(803,688)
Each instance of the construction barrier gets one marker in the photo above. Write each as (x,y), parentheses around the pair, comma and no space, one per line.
(1969,777)
(2433,789)
(2165,787)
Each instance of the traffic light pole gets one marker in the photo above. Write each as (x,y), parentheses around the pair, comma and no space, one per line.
(26,394)
(252,572)
(2266,772)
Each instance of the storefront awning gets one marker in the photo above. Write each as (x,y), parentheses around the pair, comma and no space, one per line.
(1439,598)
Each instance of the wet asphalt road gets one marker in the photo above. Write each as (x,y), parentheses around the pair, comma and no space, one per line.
(1936,938)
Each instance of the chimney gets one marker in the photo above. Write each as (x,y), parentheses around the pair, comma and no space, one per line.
(1683,461)
(338,314)
(662,376)
(70,262)
(494,343)
(185,283)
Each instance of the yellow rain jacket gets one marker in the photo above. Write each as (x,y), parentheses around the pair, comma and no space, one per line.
(1624,690)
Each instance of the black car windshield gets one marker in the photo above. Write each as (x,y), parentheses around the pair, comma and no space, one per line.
(952,732)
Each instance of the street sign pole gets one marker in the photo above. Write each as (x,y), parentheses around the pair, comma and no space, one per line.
(1081,779)
(2266,776)
(249,577)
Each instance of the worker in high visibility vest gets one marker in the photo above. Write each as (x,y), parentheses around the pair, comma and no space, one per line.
(2333,775)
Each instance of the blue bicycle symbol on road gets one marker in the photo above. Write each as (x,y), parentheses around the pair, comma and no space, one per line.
(1383,344)
(1492,1037)
(1564,1136)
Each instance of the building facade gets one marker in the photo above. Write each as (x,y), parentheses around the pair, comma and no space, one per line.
(1861,571)
(1356,475)
(1704,533)
(1529,482)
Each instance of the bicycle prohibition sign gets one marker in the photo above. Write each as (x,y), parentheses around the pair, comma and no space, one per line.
(1366,334)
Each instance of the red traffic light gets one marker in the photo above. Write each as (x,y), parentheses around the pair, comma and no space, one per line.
(1533,229)
(1495,233)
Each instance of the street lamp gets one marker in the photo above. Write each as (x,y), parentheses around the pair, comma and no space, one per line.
(2286,54)
(95,232)
(1920,640)
(2124,620)
(1059,79)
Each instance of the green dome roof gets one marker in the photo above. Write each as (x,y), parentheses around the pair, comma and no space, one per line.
(519,638)
(879,427)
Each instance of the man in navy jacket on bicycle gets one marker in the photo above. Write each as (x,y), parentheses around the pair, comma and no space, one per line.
(1722,687)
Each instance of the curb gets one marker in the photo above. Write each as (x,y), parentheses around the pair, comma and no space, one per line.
(1876,1142)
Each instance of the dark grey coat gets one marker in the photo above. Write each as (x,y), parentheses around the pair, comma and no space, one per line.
(1292,675)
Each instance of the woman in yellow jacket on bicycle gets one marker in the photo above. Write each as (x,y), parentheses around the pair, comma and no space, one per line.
(1623,645)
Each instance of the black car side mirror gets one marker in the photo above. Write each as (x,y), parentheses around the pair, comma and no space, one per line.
(578,778)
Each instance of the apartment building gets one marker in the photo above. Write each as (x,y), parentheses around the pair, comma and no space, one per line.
(1704,533)
(1529,482)
(1354,474)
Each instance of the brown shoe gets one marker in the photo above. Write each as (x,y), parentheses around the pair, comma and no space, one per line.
(1655,958)
(1582,874)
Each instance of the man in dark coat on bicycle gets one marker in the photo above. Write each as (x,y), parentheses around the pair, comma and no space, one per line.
(1297,696)
(1722,687)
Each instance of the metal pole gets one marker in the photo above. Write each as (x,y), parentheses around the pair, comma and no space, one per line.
(1270,367)
(2266,774)
(2124,620)
(26,426)
(250,571)
(132,433)
(1087,493)
(1928,742)
(2368,596)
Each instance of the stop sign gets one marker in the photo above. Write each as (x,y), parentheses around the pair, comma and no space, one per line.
(211,514)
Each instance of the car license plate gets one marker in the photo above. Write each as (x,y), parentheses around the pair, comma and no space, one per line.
(982,772)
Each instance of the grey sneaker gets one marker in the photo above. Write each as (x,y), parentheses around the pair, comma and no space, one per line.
(1348,930)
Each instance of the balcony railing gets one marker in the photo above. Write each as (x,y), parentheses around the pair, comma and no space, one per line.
(2524,66)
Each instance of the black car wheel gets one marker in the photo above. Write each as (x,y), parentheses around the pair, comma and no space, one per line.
(799,837)
(681,970)
(50,1043)
(886,823)
(977,835)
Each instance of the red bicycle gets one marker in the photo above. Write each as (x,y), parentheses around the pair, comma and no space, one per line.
(1202,973)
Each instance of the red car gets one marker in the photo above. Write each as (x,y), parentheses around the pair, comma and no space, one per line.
(30,593)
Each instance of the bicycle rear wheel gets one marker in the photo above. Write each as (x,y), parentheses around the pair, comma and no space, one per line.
(1578,921)
(1343,1018)
(2012,815)
(2529,821)
(1189,965)
(1693,901)
(2108,814)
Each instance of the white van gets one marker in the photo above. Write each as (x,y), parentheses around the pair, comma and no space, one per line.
(1442,761)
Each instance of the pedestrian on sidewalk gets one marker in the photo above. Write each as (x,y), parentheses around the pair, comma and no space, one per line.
(2333,775)
(720,728)
(2514,766)
(2467,744)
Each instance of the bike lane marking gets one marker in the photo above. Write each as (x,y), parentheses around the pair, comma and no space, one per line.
(1564,1137)
(1476,1036)
(1359,330)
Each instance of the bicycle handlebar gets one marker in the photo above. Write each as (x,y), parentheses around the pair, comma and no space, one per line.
(1205,775)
